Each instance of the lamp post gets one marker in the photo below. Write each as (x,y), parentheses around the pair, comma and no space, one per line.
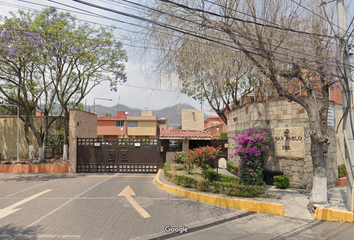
(94,102)
(18,127)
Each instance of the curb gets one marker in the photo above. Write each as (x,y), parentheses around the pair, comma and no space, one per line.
(333,215)
(248,205)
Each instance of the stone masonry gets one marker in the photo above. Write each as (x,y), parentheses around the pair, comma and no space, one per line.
(288,152)
(83,125)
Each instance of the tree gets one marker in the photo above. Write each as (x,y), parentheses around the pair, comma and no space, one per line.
(79,57)
(48,52)
(19,76)
(204,69)
(286,45)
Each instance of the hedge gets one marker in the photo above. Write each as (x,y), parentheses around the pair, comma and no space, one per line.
(232,167)
(237,190)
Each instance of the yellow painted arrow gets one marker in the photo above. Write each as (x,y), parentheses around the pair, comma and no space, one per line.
(13,208)
(128,192)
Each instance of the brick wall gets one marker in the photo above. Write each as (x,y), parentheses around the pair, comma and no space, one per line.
(283,114)
(84,125)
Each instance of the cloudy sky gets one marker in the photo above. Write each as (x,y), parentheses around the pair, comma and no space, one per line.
(142,90)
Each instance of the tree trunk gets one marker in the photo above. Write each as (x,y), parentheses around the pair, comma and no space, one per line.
(66,137)
(28,140)
(38,135)
(319,187)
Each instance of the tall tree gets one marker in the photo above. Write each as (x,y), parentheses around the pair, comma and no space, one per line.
(287,45)
(205,70)
(78,58)
(19,78)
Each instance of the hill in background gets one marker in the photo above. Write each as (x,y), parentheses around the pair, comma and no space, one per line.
(173,113)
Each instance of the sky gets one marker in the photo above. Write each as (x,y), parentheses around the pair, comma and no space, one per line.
(142,87)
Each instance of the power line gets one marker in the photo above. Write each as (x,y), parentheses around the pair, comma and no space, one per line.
(100,16)
(186,32)
(243,20)
(248,38)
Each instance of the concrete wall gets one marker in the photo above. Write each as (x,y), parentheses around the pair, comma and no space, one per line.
(87,129)
(192,119)
(8,136)
(277,116)
(144,129)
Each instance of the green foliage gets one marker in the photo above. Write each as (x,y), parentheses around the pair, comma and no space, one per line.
(237,190)
(186,181)
(341,171)
(203,157)
(281,181)
(232,167)
(167,167)
(211,175)
(181,158)
(179,127)
(110,115)
(223,135)
(56,138)
(229,179)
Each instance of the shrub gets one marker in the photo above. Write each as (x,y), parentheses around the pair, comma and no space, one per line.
(181,158)
(250,148)
(211,175)
(167,167)
(223,135)
(341,171)
(281,181)
(232,167)
(186,181)
(237,190)
(229,179)
(203,157)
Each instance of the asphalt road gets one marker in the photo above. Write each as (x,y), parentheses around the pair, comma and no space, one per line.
(79,206)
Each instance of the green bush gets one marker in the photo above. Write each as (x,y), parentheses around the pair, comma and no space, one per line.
(211,175)
(229,179)
(186,181)
(341,171)
(223,135)
(281,181)
(167,167)
(237,190)
(232,167)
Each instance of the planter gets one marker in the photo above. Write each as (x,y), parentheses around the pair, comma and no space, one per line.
(269,175)
(342,182)
(41,168)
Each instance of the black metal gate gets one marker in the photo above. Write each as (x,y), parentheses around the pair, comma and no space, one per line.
(138,155)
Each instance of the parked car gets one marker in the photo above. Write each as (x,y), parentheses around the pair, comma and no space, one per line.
(173,145)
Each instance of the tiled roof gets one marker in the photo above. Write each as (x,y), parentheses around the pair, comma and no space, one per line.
(190,134)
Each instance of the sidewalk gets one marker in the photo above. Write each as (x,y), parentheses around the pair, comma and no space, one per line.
(290,202)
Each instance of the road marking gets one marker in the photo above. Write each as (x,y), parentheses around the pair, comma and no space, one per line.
(64,204)
(128,192)
(13,208)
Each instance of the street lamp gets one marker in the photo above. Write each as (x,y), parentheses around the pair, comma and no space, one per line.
(18,127)
(94,103)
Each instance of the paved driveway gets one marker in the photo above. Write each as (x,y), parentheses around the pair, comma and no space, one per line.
(74,206)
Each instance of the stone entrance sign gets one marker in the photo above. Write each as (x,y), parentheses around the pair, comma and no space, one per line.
(289,142)
(222,163)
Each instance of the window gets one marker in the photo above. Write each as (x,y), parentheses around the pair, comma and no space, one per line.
(161,123)
(120,123)
(133,124)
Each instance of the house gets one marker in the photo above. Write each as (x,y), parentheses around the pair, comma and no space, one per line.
(145,126)
(215,126)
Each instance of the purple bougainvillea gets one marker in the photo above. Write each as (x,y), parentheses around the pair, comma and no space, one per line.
(250,148)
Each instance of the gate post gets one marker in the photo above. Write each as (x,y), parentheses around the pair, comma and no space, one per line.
(83,125)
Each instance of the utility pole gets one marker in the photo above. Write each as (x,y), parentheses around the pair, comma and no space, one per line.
(346,101)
